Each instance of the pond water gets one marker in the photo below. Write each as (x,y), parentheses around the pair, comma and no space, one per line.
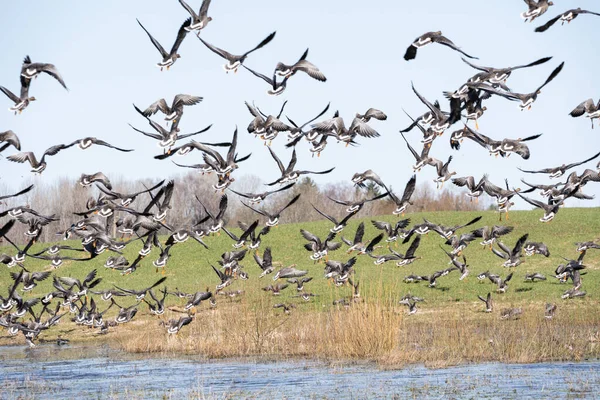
(52,372)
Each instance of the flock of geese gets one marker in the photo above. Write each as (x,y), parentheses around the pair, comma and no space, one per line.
(141,216)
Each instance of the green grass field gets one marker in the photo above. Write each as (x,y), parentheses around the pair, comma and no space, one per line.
(188,268)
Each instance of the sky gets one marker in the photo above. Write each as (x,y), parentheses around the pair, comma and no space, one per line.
(108,63)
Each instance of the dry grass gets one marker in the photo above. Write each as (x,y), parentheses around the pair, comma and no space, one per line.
(377,332)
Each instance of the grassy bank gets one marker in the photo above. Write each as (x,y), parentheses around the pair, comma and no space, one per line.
(449,327)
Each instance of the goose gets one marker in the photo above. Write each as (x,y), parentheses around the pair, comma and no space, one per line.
(359,179)
(401,259)
(526,99)
(550,310)
(167,138)
(443,172)
(429,135)
(421,229)
(265,263)
(217,221)
(502,283)
(534,276)
(158,308)
(289,174)
(497,76)
(446,232)
(9,138)
(427,38)
(412,307)
(573,293)
(168,59)
(275,88)
(584,246)
(511,313)
(567,17)
(512,257)
(415,278)
(459,243)
(274,216)
(461,266)
(275,289)
(126,199)
(338,226)
(287,308)
(20,193)
(403,202)
(356,205)
(589,108)
(196,299)
(557,172)
(535,9)
(289,272)
(319,248)
(372,113)
(503,196)
(87,142)
(174,112)
(357,243)
(200,20)
(299,282)
(339,270)
(532,248)
(301,65)
(550,210)
(112,262)
(126,314)
(517,146)
(175,325)
(89,282)
(35,223)
(23,100)
(422,159)
(243,238)
(87,180)
(233,61)
(31,70)
(297,132)
(38,167)
(140,294)
(441,121)
(438,274)
(489,304)
(475,190)
(29,279)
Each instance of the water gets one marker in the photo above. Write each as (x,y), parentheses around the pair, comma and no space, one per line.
(51,372)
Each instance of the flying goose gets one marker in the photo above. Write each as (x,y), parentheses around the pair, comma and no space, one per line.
(512,257)
(550,210)
(200,20)
(167,138)
(459,243)
(403,202)
(9,138)
(443,172)
(535,9)
(532,248)
(30,70)
(422,159)
(175,111)
(302,65)
(22,101)
(297,132)
(427,38)
(87,180)
(233,61)
(501,283)
(299,282)
(448,231)
(357,244)
(38,166)
(503,196)
(489,304)
(438,274)
(357,204)
(275,88)
(287,308)
(339,270)
(534,276)
(140,294)
(401,259)
(338,226)
(526,99)
(273,216)
(359,179)
(475,190)
(175,325)
(567,17)
(490,234)
(319,248)
(276,289)
(583,246)
(461,266)
(29,279)
(498,76)
(265,263)
(557,172)
(589,108)
(289,174)
(168,59)
(87,142)
(441,121)
(289,272)
(243,238)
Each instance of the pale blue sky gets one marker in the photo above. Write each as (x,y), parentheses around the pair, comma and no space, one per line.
(108,63)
